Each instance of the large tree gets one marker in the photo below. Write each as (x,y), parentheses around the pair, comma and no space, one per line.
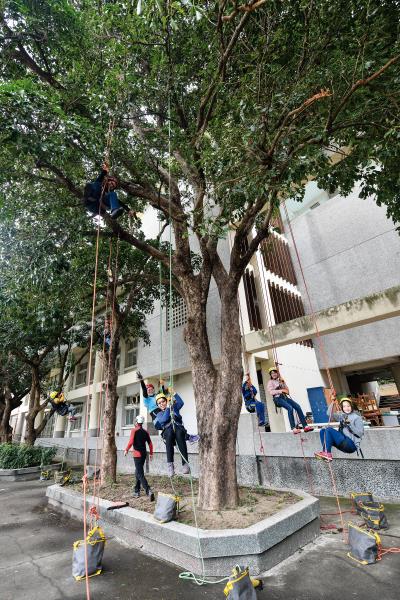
(218,110)
(14,385)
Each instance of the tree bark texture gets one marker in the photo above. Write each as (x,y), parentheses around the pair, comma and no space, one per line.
(34,407)
(109,450)
(218,401)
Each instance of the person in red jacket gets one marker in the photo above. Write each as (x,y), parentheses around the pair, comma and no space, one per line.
(138,440)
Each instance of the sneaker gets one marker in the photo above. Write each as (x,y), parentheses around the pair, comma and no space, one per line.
(150,494)
(295,430)
(72,419)
(136,495)
(308,428)
(185,469)
(262,424)
(117,212)
(192,439)
(170,469)
(324,456)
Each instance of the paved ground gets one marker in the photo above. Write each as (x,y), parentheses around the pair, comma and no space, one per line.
(35,562)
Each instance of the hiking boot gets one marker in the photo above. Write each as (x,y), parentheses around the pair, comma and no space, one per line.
(308,428)
(185,469)
(117,212)
(150,494)
(136,495)
(296,430)
(327,456)
(170,469)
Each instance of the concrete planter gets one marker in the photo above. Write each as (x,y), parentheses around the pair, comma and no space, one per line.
(261,546)
(26,474)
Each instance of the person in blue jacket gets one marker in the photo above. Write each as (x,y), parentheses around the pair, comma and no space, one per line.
(249,393)
(102,190)
(149,395)
(169,421)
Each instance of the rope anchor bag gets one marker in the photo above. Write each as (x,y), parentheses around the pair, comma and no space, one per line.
(167,507)
(95,541)
(373,514)
(241,586)
(364,545)
(359,497)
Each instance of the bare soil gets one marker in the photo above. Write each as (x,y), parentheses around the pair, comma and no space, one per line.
(255,504)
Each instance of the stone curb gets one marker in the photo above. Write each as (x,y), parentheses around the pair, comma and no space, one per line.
(27,473)
(220,549)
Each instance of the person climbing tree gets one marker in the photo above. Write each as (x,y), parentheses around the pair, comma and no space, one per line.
(138,439)
(60,406)
(100,195)
(280,395)
(251,402)
(347,438)
(173,430)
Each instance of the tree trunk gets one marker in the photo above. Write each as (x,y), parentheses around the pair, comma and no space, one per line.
(218,401)
(34,407)
(109,450)
(5,414)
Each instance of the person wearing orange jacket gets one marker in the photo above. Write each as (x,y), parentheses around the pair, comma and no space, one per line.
(138,439)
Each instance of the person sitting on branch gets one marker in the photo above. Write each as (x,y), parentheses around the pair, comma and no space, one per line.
(60,406)
(252,404)
(169,421)
(280,395)
(138,439)
(348,437)
(100,195)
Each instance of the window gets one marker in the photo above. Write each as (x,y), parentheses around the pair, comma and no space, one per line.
(253,309)
(49,428)
(130,354)
(81,374)
(178,316)
(92,366)
(77,424)
(132,406)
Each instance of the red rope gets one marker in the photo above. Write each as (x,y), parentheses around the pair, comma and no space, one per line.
(312,313)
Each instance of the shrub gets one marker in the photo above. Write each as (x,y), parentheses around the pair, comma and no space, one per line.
(18,456)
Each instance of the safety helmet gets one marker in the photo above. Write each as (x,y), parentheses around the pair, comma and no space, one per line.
(54,395)
(160,396)
(272,369)
(149,385)
(140,419)
(346,399)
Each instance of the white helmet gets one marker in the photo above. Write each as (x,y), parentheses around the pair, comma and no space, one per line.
(140,419)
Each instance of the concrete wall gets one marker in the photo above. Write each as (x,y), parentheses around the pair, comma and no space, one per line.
(281,464)
(349,249)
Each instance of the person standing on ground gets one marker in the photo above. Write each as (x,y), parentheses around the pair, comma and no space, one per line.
(280,395)
(138,439)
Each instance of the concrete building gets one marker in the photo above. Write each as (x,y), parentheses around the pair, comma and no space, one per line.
(349,249)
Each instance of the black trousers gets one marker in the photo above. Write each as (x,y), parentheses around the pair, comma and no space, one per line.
(139,474)
(176,434)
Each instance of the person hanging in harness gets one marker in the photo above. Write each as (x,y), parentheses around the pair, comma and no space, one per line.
(280,395)
(348,437)
(149,395)
(149,400)
(101,191)
(138,439)
(251,403)
(60,406)
(169,421)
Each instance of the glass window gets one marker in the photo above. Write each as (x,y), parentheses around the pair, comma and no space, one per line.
(81,374)
(130,354)
(77,424)
(49,428)
(132,406)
